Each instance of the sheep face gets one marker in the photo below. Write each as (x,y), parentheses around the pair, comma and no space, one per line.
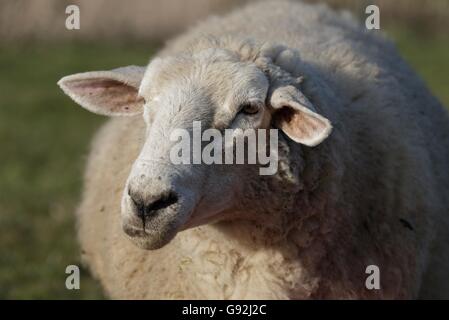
(212,89)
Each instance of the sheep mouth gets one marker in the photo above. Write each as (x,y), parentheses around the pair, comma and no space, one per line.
(150,239)
(157,232)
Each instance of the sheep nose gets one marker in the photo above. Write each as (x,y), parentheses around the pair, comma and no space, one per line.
(149,207)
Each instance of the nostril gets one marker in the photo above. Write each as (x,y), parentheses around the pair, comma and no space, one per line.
(163,202)
(138,204)
(144,210)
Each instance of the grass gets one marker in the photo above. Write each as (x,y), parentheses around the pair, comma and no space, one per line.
(428,55)
(44,138)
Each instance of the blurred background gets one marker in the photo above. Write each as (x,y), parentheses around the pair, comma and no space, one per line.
(44,136)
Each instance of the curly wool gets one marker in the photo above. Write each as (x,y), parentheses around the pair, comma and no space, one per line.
(376,192)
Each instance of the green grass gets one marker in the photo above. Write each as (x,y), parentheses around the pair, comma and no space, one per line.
(44,138)
(428,55)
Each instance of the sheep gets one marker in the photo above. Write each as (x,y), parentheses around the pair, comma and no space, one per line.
(362,156)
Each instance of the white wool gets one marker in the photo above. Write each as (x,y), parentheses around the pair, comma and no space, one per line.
(375,192)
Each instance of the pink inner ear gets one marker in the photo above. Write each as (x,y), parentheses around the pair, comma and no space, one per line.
(300,126)
(110,96)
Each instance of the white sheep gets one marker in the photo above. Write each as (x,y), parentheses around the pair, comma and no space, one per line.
(374,191)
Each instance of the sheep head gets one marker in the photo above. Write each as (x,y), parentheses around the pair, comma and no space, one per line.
(219,90)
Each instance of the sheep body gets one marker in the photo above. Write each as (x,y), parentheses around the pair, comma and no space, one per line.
(381,192)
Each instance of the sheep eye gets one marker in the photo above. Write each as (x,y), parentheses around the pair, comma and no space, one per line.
(249,108)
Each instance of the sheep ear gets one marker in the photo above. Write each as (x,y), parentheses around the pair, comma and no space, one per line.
(297,118)
(111,93)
